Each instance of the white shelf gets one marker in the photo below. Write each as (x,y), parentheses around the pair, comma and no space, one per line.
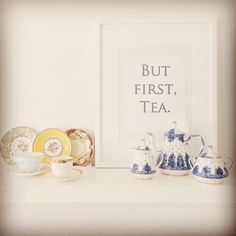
(113,185)
(113,201)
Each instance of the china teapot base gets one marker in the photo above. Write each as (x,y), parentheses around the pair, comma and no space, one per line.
(174,172)
(209,180)
(143,177)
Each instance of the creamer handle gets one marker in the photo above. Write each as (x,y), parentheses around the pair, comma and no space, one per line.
(159,158)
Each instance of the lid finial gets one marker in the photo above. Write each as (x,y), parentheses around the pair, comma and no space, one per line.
(210,153)
(210,149)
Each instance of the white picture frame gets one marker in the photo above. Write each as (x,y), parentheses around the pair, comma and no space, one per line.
(103,160)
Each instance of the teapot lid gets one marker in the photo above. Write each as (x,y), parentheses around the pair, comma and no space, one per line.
(174,130)
(210,153)
(143,146)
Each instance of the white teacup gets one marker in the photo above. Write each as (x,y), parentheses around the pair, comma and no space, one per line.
(28,161)
(61,166)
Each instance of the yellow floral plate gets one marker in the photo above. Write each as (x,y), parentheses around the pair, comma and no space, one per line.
(82,146)
(53,142)
(19,139)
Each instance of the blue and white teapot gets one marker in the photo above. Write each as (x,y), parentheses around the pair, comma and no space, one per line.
(143,166)
(175,152)
(210,168)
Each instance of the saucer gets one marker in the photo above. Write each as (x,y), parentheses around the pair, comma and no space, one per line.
(16,171)
(17,140)
(52,142)
(75,174)
(209,180)
(143,177)
(82,147)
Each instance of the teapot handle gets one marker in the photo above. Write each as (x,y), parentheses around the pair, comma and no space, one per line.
(202,142)
(228,163)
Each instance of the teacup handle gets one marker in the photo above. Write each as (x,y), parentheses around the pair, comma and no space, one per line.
(202,142)
(228,163)
(159,158)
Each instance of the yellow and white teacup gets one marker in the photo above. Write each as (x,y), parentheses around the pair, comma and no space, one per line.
(61,166)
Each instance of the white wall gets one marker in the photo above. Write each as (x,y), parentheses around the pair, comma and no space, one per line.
(47,72)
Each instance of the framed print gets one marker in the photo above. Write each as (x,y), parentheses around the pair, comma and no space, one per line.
(148,75)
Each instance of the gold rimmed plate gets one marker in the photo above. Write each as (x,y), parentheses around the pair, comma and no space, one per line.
(82,147)
(17,140)
(53,143)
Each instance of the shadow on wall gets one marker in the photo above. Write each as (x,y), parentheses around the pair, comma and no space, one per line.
(234,112)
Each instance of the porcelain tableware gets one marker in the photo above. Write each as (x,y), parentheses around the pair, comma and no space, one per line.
(82,147)
(175,152)
(61,166)
(13,169)
(210,168)
(53,143)
(143,165)
(17,140)
(28,161)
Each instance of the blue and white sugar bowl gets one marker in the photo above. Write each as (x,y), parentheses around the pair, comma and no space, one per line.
(142,165)
(210,168)
(176,153)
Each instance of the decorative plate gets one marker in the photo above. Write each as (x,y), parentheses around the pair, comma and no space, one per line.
(19,139)
(53,142)
(82,146)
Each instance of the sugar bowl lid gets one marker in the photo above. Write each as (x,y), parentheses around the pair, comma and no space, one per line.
(143,146)
(174,130)
(210,153)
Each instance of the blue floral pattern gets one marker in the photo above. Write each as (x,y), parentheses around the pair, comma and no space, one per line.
(171,135)
(207,173)
(219,171)
(173,162)
(180,162)
(144,171)
(134,168)
(147,168)
(195,169)
(206,170)
(164,162)
(181,137)
(187,162)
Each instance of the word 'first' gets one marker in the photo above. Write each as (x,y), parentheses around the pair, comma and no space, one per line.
(158,89)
